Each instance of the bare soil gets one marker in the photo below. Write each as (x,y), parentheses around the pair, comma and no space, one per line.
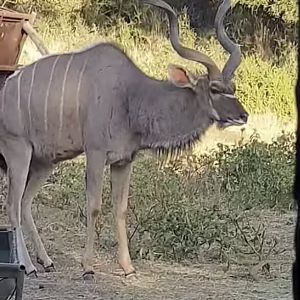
(209,280)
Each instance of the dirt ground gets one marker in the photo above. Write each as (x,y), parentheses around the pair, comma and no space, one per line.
(155,280)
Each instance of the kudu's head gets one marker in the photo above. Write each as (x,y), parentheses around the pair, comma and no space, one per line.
(218,86)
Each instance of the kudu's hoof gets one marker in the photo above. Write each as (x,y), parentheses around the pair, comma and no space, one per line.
(47,269)
(50,268)
(131,274)
(131,278)
(89,276)
(32,274)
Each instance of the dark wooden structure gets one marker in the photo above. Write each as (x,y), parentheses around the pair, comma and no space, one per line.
(11,272)
(12,37)
(15,27)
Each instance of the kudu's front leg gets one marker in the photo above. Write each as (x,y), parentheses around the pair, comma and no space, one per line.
(95,163)
(17,154)
(120,179)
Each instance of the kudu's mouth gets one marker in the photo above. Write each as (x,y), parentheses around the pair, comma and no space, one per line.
(232,122)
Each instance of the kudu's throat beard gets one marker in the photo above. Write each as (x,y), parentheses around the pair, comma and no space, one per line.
(171,150)
(169,140)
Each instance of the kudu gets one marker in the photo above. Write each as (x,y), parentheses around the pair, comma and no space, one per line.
(98,102)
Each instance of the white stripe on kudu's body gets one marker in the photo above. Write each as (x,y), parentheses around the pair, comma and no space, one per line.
(29,95)
(61,109)
(47,94)
(98,102)
(19,91)
(77,102)
(19,98)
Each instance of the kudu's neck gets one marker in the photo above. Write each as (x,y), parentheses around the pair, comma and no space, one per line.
(167,117)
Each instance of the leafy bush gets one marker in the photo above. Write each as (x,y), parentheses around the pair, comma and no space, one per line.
(258,174)
(97,13)
(253,175)
(100,12)
(285,9)
(264,87)
(49,10)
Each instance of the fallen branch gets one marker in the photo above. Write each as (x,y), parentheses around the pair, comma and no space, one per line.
(35,38)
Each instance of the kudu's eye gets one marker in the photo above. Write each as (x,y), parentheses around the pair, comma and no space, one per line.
(214,90)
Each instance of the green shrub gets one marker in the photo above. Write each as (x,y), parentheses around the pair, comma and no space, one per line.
(285,9)
(253,175)
(264,87)
(50,10)
(99,12)
(258,175)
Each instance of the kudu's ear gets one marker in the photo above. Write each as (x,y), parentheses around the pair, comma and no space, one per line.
(180,77)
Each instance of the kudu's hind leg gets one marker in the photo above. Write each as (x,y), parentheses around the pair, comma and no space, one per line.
(17,154)
(37,175)
(120,179)
(95,163)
